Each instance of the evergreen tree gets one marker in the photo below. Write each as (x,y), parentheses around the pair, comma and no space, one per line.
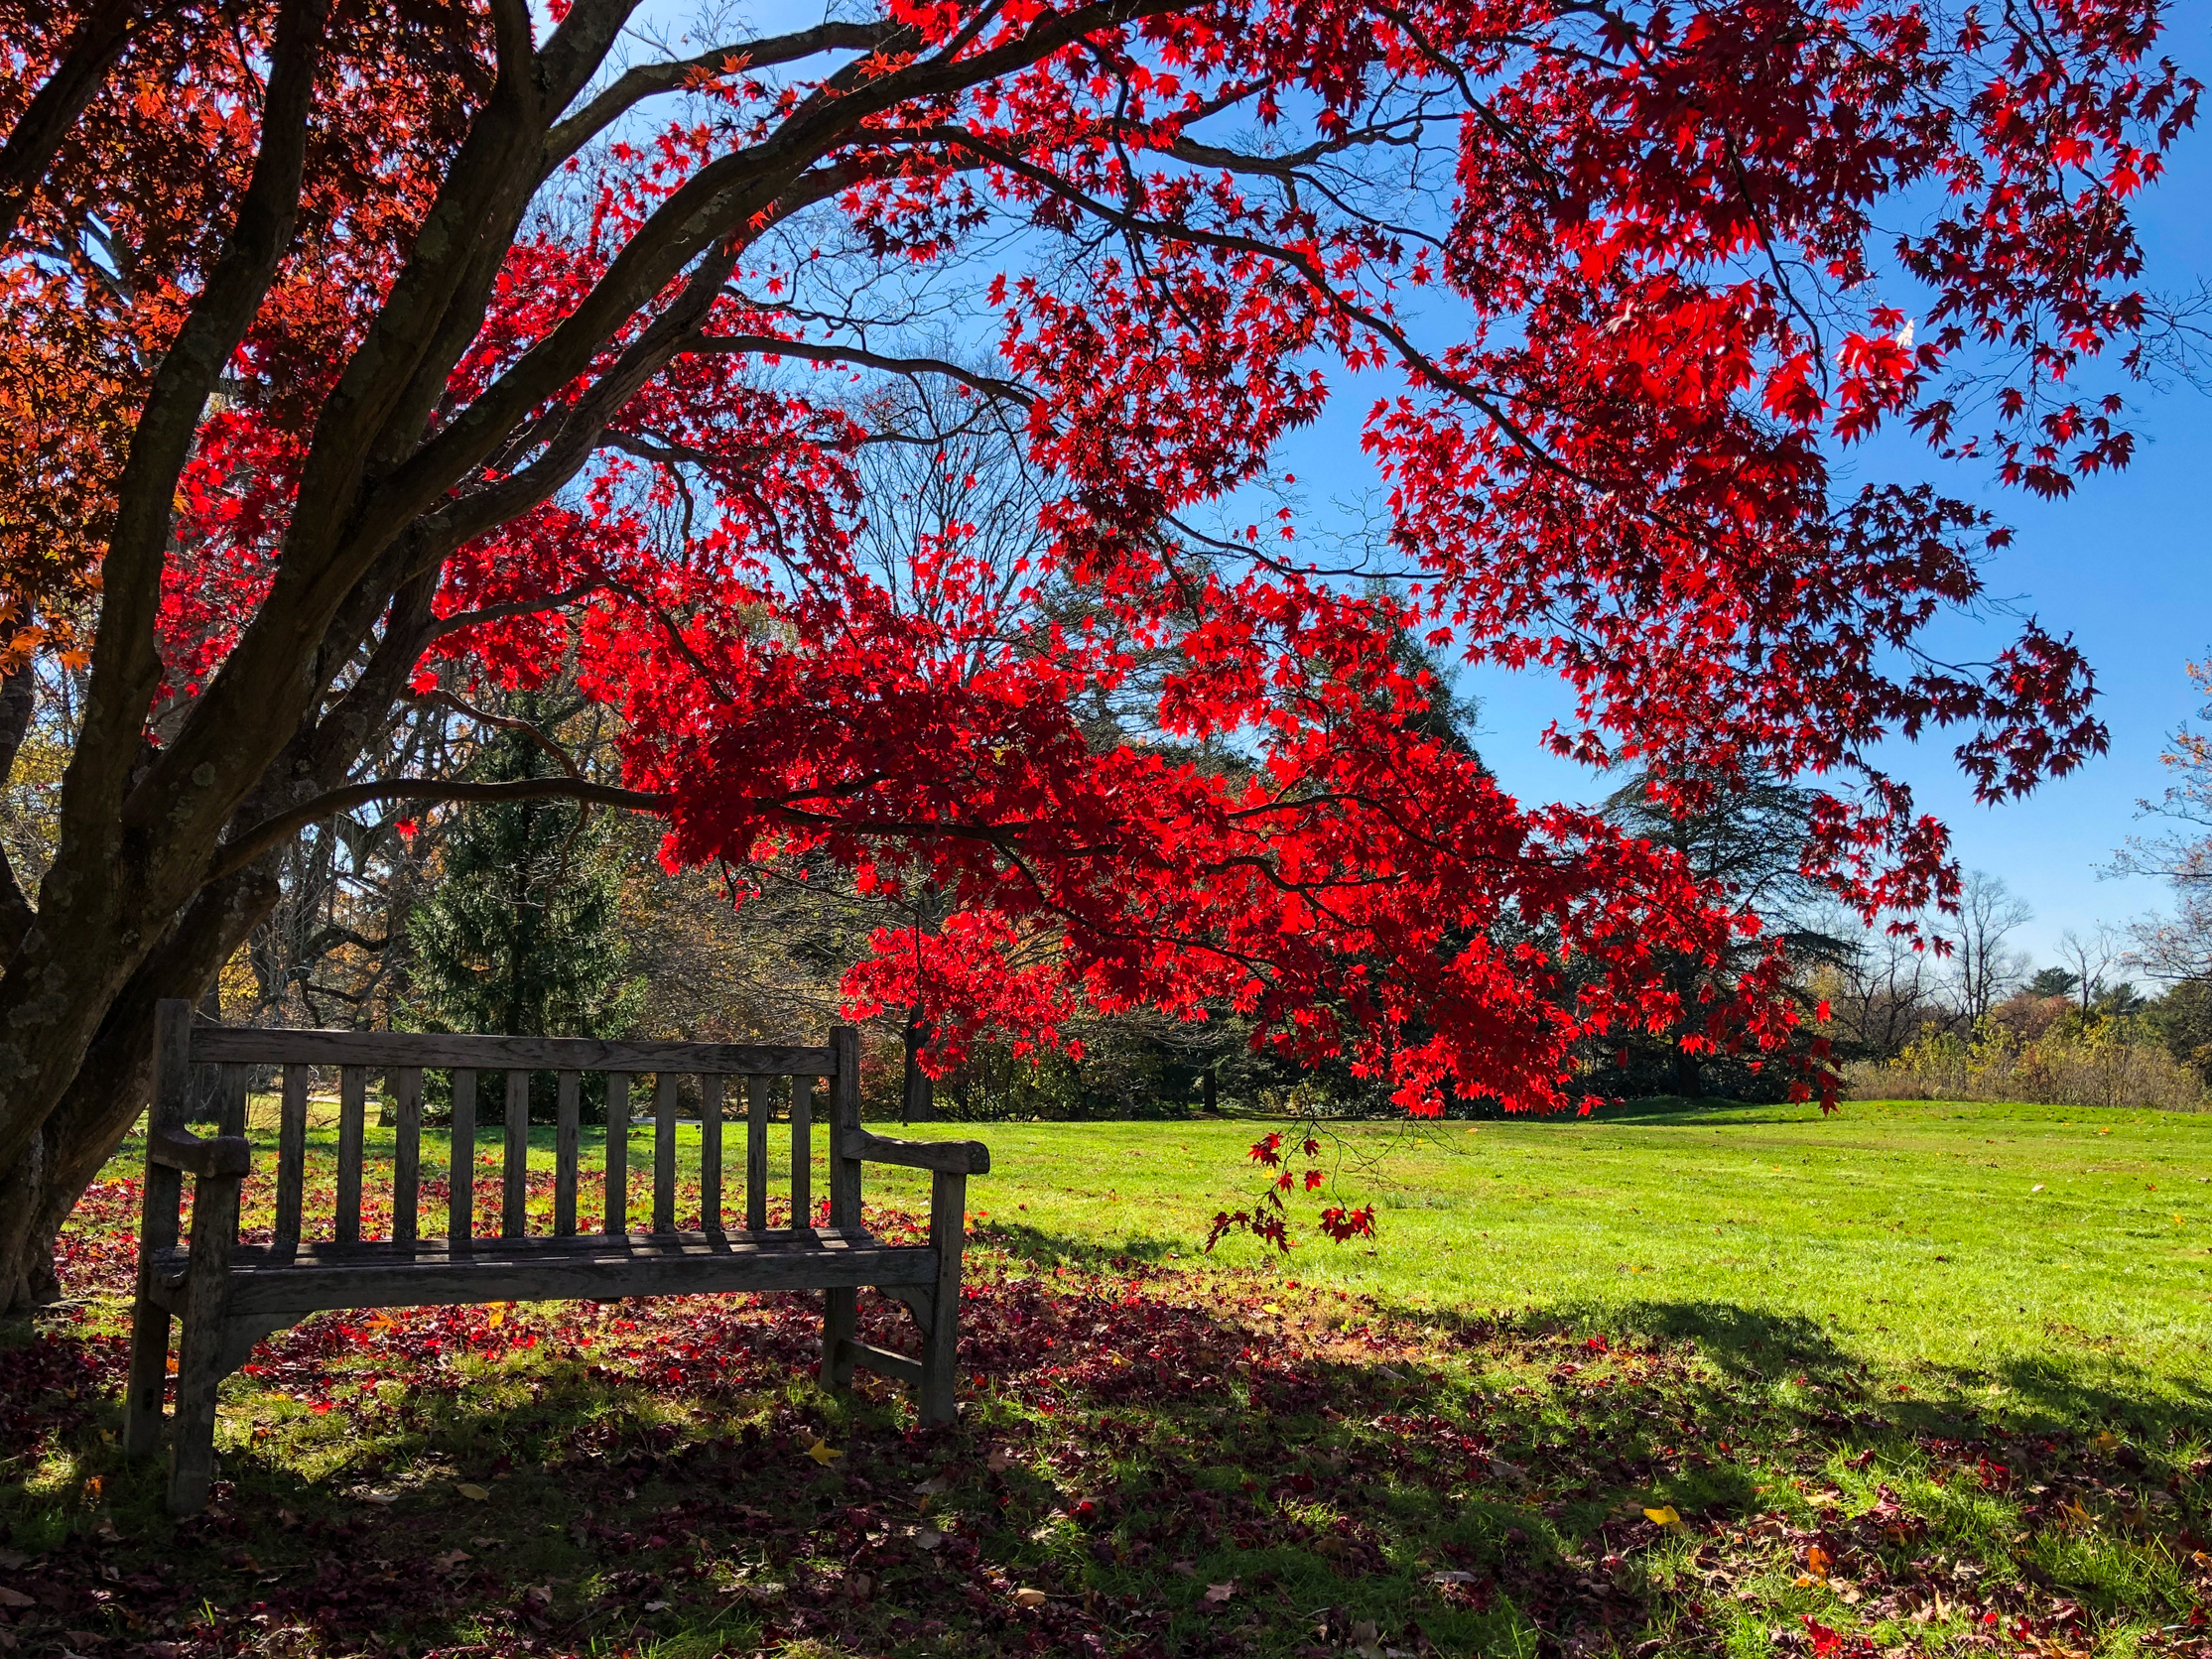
(521,933)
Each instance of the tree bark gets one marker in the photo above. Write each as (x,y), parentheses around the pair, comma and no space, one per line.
(918,1090)
(108,1092)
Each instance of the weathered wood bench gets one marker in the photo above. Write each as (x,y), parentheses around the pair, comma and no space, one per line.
(229,1295)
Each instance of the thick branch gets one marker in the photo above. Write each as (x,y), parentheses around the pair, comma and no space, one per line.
(645,80)
(823,352)
(46,121)
(243,850)
(125,667)
(18,701)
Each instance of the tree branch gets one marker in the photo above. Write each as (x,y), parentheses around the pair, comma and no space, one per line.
(17,702)
(125,667)
(646,81)
(822,352)
(53,109)
(242,850)
(460,619)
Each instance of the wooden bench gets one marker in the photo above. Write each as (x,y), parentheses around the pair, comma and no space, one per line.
(229,1295)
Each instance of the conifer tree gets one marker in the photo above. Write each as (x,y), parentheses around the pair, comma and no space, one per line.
(521,934)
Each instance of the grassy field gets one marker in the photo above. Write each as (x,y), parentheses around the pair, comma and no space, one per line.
(1911,1379)
(2064,1256)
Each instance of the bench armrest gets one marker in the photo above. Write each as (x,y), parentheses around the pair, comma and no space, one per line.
(957,1157)
(213,1155)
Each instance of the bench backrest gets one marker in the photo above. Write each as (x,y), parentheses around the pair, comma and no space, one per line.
(182,1047)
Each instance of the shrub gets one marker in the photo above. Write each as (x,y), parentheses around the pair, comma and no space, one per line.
(2073,1060)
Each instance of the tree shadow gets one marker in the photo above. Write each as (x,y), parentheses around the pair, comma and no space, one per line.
(1059,1249)
(1758,1345)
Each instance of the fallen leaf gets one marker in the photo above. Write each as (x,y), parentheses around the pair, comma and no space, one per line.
(14,1598)
(2039,1187)
(1000,1459)
(822,1453)
(450,1560)
(1026,1598)
(1817,1562)
(1220,1593)
(929,1538)
(470,1491)
(1665,1515)
(656,1606)
(393,1497)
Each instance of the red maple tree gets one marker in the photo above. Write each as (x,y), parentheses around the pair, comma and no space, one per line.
(350,346)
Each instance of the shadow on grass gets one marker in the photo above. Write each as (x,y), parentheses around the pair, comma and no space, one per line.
(1061,1249)
(1759,1347)
(1135,1474)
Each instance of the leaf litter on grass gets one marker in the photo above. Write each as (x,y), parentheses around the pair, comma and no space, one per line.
(1149,1462)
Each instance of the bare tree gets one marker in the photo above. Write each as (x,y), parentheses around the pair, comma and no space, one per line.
(1984,970)
(2177,948)
(1882,988)
(2089,958)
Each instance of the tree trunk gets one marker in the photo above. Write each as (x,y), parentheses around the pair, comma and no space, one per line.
(27,1276)
(918,1091)
(109,1091)
(1689,1082)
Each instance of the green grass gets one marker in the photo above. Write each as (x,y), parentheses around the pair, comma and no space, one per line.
(1887,1385)
(1905,1236)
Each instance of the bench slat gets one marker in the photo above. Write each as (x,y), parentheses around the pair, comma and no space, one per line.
(377,1276)
(407,1153)
(840,1309)
(802,1151)
(516,1168)
(617,1214)
(461,1201)
(844,1118)
(352,1114)
(230,1099)
(664,1152)
(710,1153)
(564,1156)
(759,1105)
(292,1155)
(263,1046)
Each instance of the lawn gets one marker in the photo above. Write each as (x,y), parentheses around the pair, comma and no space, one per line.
(2064,1256)
(1910,1380)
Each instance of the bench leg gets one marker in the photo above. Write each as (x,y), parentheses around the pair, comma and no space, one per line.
(149,1380)
(841,1324)
(948,1230)
(200,1358)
